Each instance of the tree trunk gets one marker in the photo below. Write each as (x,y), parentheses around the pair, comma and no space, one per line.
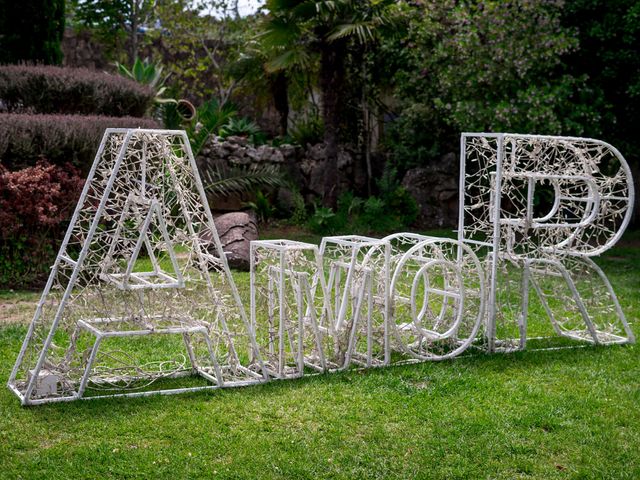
(134,31)
(332,73)
(280,94)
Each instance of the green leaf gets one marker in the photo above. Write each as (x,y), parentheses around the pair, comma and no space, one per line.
(220,181)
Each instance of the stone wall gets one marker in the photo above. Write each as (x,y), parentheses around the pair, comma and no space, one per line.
(434,187)
(303,166)
(81,50)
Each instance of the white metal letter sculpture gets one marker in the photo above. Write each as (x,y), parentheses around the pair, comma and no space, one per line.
(140,290)
(141,300)
(540,207)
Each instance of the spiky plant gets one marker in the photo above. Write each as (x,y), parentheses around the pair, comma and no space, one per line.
(222,181)
(210,116)
(148,73)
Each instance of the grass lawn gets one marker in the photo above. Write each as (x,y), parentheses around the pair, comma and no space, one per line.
(547,414)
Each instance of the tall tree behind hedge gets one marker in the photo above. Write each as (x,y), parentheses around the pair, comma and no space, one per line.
(330,30)
(117,22)
(31,31)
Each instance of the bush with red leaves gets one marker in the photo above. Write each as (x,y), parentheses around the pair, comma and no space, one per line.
(35,206)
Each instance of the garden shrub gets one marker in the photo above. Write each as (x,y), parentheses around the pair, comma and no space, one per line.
(35,206)
(307,131)
(60,138)
(50,89)
(243,127)
(392,211)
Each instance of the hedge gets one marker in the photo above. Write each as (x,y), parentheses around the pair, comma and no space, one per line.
(58,90)
(24,139)
(35,206)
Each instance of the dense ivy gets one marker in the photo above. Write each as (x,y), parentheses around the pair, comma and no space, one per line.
(489,66)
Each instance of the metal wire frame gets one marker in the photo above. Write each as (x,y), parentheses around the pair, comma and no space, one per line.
(436,296)
(501,177)
(354,301)
(363,301)
(290,334)
(143,193)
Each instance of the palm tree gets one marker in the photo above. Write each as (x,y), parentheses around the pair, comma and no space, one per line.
(251,68)
(301,31)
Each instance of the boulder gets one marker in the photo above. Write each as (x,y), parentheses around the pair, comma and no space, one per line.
(236,230)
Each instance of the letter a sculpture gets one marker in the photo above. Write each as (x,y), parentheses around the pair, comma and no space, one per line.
(141,301)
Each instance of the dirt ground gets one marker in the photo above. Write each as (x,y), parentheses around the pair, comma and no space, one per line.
(18,308)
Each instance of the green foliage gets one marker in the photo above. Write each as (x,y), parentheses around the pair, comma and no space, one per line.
(401,207)
(210,117)
(171,112)
(485,66)
(298,28)
(115,22)
(200,48)
(281,140)
(31,31)
(512,82)
(262,207)
(330,34)
(145,72)
(243,127)
(417,136)
(308,131)
(322,220)
(609,54)
(224,181)
(392,211)
(171,117)
(299,215)
(24,263)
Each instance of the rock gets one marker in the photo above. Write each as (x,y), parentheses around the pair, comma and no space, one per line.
(317,152)
(307,166)
(255,154)
(238,140)
(435,189)
(344,160)
(286,200)
(275,156)
(236,230)
(316,177)
(288,151)
(238,160)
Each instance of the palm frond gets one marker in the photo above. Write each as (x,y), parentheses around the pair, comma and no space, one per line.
(365,31)
(281,31)
(294,57)
(224,181)
(305,10)
(211,116)
(326,7)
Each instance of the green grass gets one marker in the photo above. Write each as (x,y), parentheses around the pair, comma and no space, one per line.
(546,414)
